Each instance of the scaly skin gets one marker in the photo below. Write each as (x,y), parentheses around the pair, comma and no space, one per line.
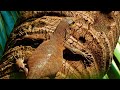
(91,41)
(48,63)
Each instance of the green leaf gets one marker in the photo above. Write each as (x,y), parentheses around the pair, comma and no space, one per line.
(117,52)
(1,51)
(106,77)
(7,21)
(15,15)
(3,33)
(114,72)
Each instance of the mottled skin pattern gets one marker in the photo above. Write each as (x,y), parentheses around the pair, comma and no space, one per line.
(86,53)
(49,62)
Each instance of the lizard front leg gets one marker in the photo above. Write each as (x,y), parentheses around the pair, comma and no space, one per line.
(20,63)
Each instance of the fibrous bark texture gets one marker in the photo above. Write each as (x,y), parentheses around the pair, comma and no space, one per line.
(61,45)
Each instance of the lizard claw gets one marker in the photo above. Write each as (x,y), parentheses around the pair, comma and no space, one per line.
(20,63)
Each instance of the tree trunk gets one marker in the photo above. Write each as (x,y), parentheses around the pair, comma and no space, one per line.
(87,50)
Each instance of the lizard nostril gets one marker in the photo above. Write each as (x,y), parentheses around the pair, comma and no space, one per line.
(82,39)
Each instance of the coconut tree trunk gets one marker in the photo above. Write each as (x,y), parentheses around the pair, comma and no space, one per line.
(82,46)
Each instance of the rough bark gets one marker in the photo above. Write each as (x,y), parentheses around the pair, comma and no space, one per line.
(87,48)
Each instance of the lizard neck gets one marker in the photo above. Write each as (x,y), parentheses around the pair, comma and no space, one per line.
(60,33)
